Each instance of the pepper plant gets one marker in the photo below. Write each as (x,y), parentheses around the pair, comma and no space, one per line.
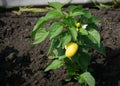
(72,33)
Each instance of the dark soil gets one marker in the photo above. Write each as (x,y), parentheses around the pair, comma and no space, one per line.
(23,64)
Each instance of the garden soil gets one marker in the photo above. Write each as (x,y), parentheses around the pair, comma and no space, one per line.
(23,64)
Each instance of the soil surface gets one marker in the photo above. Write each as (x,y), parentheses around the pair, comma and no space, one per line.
(23,64)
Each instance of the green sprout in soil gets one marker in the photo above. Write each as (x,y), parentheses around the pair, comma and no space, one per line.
(72,34)
(114,4)
(31,9)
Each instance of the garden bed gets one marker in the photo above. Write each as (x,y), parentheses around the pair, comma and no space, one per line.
(23,64)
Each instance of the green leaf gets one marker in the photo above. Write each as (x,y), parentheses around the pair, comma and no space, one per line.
(83,31)
(55,52)
(83,59)
(38,25)
(68,78)
(92,25)
(74,33)
(53,14)
(94,36)
(52,57)
(87,14)
(77,12)
(94,19)
(66,38)
(56,5)
(81,42)
(69,21)
(54,43)
(71,67)
(54,65)
(50,15)
(59,45)
(87,78)
(100,48)
(40,35)
(55,29)
(58,53)
(61,53)
(71,8)
(92,43)
(62,57)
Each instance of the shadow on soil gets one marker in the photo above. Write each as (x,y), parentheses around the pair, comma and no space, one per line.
(107,69)
(11,67)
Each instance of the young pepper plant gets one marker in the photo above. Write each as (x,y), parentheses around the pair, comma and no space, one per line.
(72,33)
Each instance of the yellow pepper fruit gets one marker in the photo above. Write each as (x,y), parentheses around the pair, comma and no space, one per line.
(71,49)
(78,24)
